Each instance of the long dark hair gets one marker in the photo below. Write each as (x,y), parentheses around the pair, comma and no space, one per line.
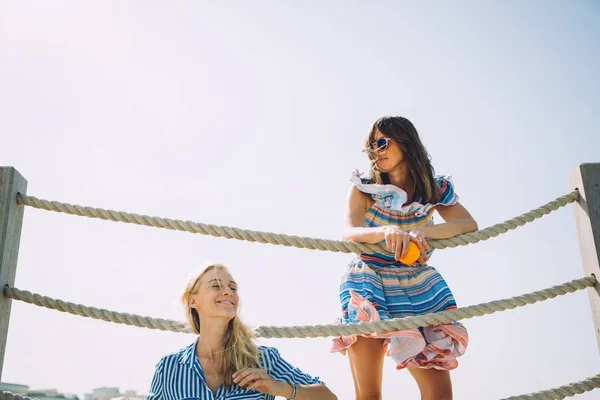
(404,133)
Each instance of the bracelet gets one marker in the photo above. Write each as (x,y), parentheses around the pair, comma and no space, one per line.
(294,391)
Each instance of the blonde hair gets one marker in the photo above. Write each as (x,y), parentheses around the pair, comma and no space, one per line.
(239,349)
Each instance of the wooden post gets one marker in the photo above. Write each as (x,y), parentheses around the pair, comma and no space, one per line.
(11,220)
(587,220)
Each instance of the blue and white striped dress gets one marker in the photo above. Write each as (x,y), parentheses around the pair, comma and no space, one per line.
(377,287)
(179,376)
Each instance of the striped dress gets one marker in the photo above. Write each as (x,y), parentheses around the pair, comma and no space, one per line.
(377,287)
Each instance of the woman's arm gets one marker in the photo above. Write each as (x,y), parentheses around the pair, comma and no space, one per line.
(307,392)
(457,221)
(396,240)
(356,207)
(279,377)
(259,379)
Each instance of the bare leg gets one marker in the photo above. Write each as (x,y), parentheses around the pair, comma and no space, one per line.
(366,362)
(434,384)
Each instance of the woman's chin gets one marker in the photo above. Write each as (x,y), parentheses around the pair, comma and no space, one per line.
(225,316)
(382,168)
(386,166)
(229,316)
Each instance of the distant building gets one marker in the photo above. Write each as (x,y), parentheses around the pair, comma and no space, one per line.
(112,393)
(105,393)
(138,397)
(47,394)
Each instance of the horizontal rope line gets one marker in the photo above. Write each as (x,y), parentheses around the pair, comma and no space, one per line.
(290,240)
(312,331)
(562,392)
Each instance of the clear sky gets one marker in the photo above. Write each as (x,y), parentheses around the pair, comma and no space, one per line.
(252,114)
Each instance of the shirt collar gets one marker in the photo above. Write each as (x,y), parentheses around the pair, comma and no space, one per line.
(188,355)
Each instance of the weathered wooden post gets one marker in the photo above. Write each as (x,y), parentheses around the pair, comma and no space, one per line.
(11,221)
(587,219)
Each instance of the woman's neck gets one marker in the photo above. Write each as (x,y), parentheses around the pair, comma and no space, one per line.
(212,338)
(400,177)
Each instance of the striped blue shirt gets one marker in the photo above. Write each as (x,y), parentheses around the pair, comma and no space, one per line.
(179,376)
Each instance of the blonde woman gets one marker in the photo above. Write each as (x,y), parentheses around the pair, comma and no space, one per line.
(224,362)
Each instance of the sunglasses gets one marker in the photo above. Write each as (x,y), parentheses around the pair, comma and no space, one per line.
(380,145)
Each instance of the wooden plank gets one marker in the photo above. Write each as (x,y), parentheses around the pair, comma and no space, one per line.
(587,219)
(11,221)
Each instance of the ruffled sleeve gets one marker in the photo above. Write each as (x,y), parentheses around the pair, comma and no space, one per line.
(389,196)
(394,198)
(448,196)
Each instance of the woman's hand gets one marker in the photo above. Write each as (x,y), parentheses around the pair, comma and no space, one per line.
(418,235)
(397,241)
(258,379)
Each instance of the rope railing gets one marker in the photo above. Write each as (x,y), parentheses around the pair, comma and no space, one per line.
(562,392)
(313,331)
(290,240)
(95,313)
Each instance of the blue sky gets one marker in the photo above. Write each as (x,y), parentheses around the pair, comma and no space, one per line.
(253,115)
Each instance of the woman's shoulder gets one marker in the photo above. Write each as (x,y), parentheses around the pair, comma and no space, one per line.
(269,357)
(448,195)
(183,355)
(268,351)
(385,195)
(444,181)
(376,190)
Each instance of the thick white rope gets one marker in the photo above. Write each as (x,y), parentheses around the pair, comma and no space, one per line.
(95,313)
(290,240)
(562,392)
(312,331)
